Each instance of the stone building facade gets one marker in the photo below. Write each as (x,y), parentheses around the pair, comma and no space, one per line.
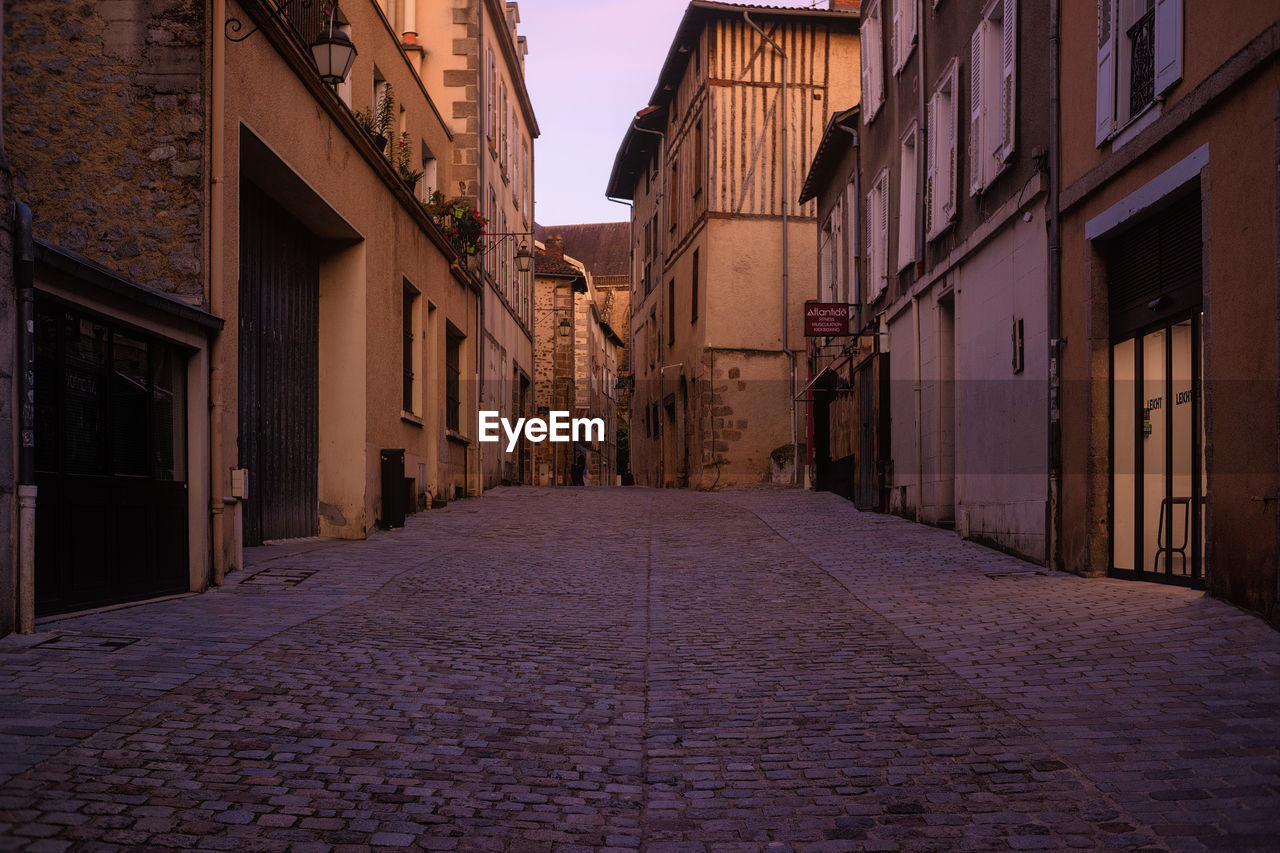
(221,246)
(576,354)
(605,251)
(723,254)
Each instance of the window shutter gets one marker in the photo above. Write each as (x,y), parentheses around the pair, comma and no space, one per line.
(976,160)
(826,273)
(871,242)
(1106,71)
(876,64)
(897,48)
(1008,80)
(1168,44)
(882,248)
(932,221)
(865,49)
(953,172)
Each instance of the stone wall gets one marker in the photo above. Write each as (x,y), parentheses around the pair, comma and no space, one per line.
(105,129)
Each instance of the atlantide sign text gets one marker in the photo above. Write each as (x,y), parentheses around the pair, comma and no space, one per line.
(557,426)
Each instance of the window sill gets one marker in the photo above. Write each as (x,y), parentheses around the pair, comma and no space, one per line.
(456,437)
(934,235)
(1134,126)
(411,418)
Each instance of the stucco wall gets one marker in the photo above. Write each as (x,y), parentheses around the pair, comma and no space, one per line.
(371,242)
(1240,290)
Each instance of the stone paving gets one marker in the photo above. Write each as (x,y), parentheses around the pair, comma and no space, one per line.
(628,669)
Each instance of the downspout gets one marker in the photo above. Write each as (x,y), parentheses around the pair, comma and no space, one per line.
(1053,523)
(481,153)
(922,218)
(915,320)
(24,278)
(217,350)
(786,207)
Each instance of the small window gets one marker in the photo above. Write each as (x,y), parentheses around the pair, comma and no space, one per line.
(697,159)
(409,348)
(908,198)
(693,298)
(454,341)
(671,313)
(673,192)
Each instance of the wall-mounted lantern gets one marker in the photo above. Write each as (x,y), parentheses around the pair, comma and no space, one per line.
(333,52)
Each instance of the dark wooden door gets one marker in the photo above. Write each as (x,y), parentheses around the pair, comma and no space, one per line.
(867,489)
(279,370)
(111,518)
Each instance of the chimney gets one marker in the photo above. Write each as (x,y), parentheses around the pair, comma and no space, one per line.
(854,6)
(555,248)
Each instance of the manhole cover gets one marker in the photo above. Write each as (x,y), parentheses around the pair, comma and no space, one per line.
(86,643)
(278,577)
(1013,576)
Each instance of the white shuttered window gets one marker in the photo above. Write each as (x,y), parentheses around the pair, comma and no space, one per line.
(941,168)
(877,236)
(993,95)
(908,197)
(872,54)
(1139,59)
(904,32)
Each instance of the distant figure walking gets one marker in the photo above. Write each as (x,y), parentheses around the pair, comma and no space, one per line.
(578,471)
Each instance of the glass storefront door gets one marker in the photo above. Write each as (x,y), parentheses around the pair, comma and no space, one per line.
(1157,440)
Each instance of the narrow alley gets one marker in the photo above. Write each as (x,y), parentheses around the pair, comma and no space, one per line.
(632,669)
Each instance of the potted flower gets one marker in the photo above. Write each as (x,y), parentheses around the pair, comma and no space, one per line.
(400,159)
(462,224)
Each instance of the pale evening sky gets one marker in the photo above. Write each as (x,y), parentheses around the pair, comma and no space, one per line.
(592,65)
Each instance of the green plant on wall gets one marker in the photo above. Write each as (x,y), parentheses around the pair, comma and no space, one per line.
(401,159)
(461,223)
(376,121)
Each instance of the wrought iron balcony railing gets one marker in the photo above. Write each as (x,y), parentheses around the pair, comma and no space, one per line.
(1142,63)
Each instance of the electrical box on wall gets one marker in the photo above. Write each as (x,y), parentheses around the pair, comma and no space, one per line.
(240,483)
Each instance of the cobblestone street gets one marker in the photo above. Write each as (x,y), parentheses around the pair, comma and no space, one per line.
(746,670)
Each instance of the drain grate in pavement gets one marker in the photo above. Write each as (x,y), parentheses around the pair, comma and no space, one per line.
(278,577)
(1013,576)
(86,643)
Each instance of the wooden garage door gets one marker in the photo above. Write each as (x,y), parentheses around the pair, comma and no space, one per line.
(279,370)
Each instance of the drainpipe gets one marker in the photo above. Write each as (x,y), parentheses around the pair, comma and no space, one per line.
(1053,525)
(481,153)
(922,129)
(217,349)
(24,276)
(786,207)
(915,320)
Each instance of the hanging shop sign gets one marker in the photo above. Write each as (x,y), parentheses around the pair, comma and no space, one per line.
(823,319)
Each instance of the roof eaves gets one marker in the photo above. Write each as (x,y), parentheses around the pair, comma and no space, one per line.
(839,123)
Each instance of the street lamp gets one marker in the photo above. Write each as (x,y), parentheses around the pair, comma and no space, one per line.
(333,52)
(524,258)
